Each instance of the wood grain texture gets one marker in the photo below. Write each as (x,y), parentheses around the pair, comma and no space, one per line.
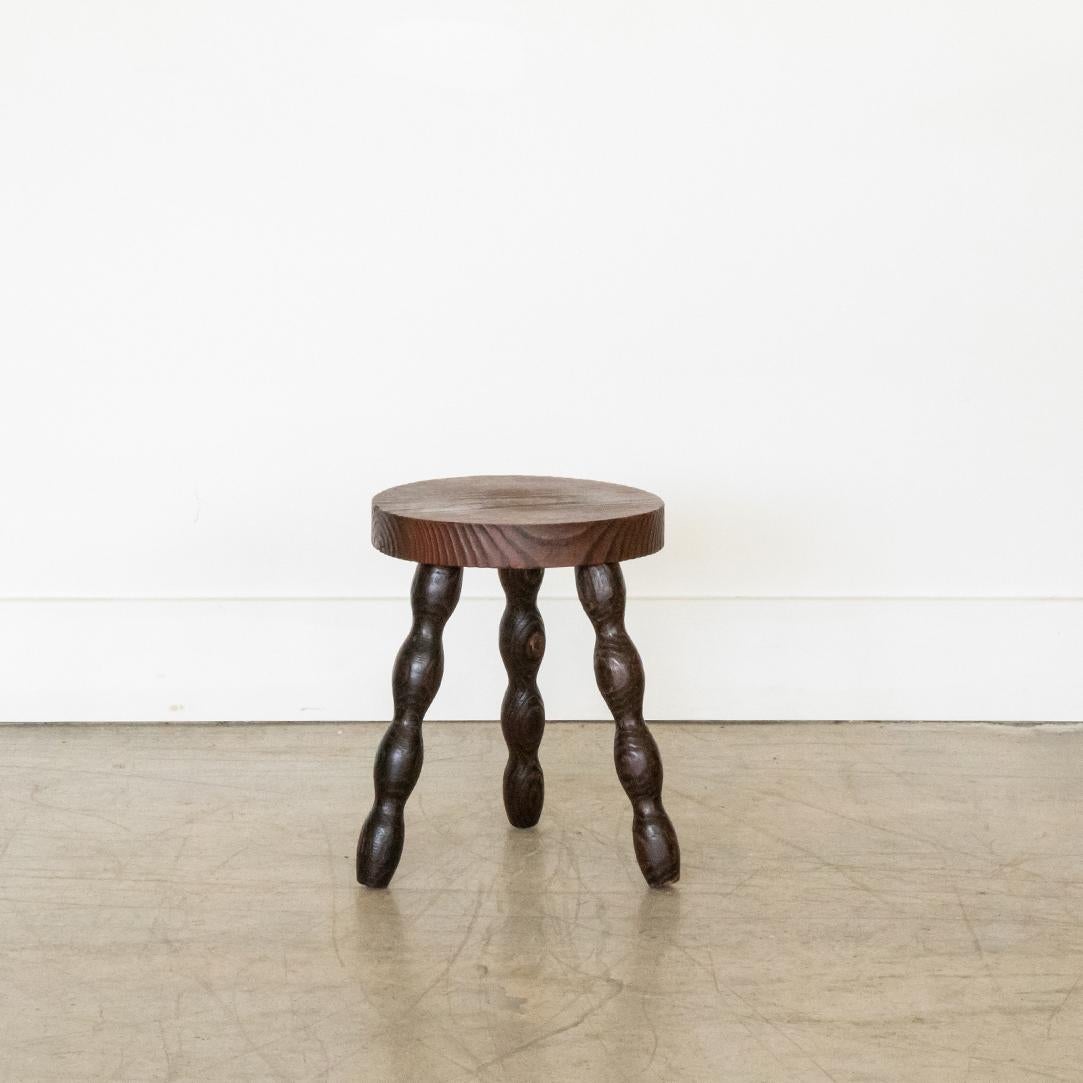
(514,521)
(522,714)
(619,671)
(419,667)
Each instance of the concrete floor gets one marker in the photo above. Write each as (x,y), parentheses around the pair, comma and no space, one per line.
(859,902)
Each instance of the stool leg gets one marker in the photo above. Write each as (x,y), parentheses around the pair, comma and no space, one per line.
(415,678)
(522,714)
(619,671)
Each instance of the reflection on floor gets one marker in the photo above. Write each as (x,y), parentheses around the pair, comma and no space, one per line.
(858,902)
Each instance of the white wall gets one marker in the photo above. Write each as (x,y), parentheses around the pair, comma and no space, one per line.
(811,271)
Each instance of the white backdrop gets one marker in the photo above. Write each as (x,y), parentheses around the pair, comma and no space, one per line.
(811,272)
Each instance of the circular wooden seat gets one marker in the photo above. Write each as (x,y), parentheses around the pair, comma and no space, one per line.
(512,521)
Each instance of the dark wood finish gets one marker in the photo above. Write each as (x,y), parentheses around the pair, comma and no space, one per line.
(415,679)
(516,522)
(619,671)
(520,525)
(522,714)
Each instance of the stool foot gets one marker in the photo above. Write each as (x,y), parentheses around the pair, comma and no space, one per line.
(522,714)
(415,679)
(619,671)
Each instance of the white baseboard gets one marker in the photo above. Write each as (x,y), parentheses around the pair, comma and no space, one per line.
(281,660)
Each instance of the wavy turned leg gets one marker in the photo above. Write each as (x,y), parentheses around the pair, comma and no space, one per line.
(522,714)
(619,670)
(419,666)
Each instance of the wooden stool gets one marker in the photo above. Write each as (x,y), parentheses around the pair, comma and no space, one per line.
(520,525)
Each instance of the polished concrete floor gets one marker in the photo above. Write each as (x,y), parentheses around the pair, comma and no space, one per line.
(858,902)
